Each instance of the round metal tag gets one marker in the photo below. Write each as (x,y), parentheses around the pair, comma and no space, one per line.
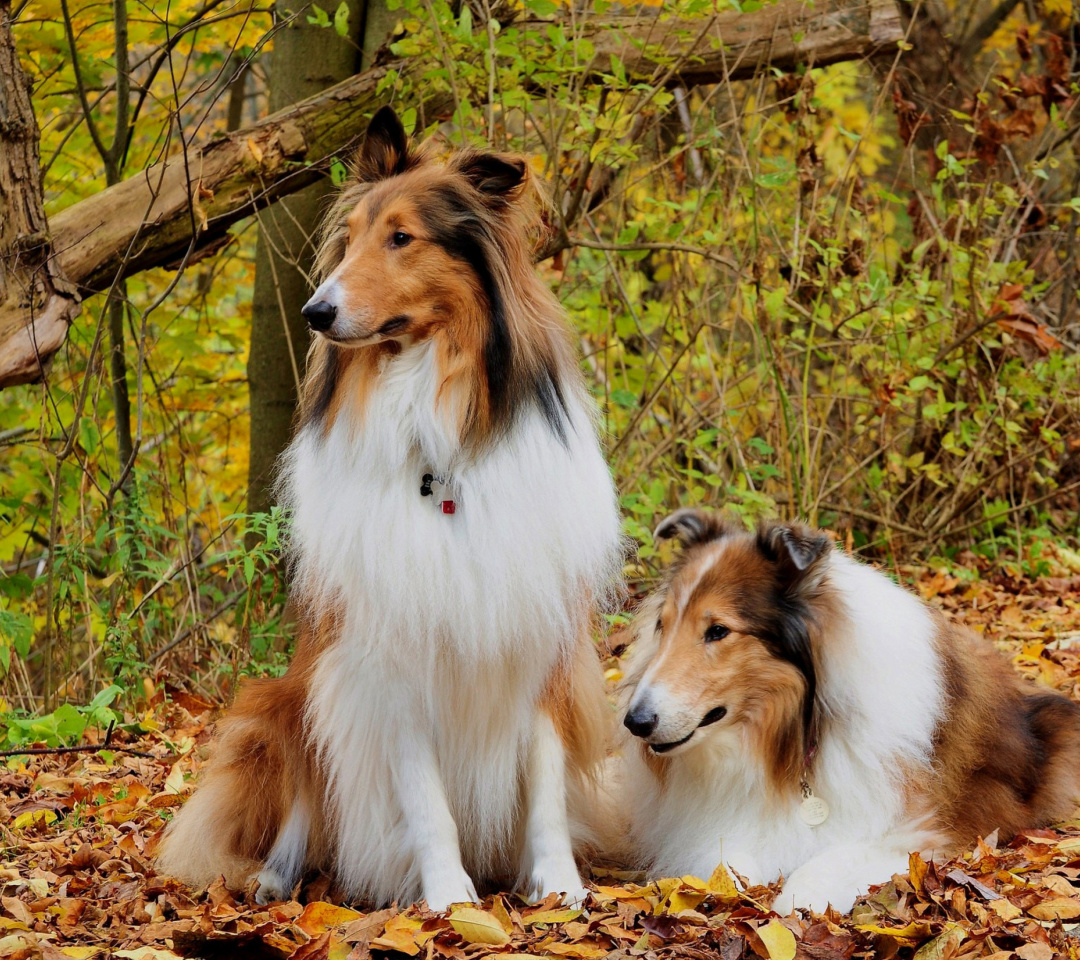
(813,811)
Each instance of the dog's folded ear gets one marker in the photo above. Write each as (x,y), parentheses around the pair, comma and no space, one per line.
(691,526)
(799,551)
(385,151)
(499,178)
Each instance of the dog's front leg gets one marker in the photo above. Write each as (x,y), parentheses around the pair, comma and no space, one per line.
(429,824)
(549,855)
(839,875)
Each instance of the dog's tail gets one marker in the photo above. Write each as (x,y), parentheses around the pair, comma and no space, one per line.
(229,826)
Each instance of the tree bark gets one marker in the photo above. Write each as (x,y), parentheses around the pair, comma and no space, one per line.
(36,304)
(148,220)
(306,60)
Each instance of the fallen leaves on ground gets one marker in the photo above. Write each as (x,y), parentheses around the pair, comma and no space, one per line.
(80,831)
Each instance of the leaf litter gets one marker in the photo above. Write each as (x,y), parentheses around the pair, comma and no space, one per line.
(80,832)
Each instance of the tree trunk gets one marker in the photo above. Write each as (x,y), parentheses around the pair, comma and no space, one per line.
(146,221)
(306,60)
(36,304)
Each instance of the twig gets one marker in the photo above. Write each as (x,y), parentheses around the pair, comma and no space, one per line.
(84,748)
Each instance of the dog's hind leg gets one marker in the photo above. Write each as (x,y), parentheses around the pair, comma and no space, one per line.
(286,861)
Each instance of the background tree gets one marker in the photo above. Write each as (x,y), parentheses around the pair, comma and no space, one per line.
(309,56)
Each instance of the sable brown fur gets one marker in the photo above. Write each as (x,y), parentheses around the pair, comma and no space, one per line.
(1007,756)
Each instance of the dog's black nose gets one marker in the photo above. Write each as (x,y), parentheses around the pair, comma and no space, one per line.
(319,315)
(640,722)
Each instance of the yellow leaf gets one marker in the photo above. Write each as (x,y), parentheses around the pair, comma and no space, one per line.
(319,917)
(721,885)
(917,868)
(499,911)
(912,932)
(401,933)
(80,953)
(630,892)
(778,940)
(1005,909)
(551,916)
(174,782)
(1069,845)
(1059,908)
(256,150)
(666,886)
(35,818)
(685,900)
(479,926)
(941,944)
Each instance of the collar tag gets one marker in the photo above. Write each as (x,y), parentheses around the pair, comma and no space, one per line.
(813,811)
(427,484)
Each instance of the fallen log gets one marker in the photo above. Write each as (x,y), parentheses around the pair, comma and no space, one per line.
(150,219)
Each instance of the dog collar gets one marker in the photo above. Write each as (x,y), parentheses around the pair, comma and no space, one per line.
(447,505)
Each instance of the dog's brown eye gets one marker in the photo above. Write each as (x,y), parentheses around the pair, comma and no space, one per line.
(716,632)
(400,239)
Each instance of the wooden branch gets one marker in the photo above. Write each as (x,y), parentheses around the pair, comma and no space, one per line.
(36,305)
(147,220)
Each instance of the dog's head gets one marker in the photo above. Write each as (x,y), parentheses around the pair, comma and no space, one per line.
(727,641)
(413,246)
(423,247)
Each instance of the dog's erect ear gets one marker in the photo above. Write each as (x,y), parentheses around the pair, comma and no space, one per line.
(386,148)
(800,552)
(691,526)
(498,178)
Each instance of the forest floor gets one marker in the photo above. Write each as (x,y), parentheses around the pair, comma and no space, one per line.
(79,833)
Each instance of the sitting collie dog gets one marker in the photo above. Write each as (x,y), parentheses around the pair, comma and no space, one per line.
(454,529)
(798,714)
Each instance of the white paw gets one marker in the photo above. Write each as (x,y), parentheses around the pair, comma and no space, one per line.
(446,888)
(555,878)
(273,887)
(804,889)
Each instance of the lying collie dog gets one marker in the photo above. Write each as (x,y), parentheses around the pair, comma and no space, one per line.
(798,714)
(454,527)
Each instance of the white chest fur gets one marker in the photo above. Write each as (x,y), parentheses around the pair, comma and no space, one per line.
(452,622)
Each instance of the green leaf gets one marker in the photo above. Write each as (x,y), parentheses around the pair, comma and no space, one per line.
(319,18)
(339,173)
(341,19)
(105,697)
(624,398)
(70,724)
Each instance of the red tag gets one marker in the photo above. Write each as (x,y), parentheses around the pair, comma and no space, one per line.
(448,506)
